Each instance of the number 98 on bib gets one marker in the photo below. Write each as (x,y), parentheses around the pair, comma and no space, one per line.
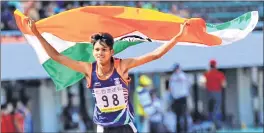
(110,99)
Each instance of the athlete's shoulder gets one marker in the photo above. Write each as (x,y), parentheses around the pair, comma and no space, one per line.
(117,62)
(117,59)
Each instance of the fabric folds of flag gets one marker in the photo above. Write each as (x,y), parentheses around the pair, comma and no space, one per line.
(69,33)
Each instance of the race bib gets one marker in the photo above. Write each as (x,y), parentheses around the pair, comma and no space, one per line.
(110,99)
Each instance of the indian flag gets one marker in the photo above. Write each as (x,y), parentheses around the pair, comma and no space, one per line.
(69,33)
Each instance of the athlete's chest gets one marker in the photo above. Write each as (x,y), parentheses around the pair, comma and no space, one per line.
(110,95)
(111,81)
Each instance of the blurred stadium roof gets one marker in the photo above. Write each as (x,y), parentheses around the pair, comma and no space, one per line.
(19,61)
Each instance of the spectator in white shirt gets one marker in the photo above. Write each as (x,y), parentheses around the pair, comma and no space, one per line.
(179,88)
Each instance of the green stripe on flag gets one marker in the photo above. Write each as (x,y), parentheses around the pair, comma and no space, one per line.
(239,23)
(63,76)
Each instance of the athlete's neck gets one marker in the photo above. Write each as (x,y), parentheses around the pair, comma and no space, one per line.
(105,68)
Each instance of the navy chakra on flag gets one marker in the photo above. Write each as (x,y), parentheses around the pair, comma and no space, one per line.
(133,38)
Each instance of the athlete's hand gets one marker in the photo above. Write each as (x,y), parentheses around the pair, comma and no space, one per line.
(183,28)
(31,25)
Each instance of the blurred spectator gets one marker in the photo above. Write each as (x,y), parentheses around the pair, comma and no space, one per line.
(8,19)
(215,81)
(151,5)
(142,100)
(71,115)
(17,4)
(12,120)
(84,3)
(179,87)
(169,116)
(50,9)
(157,119)
(184,13)
(97,3)
(86,123)
(25,108)
(69,6)
(174,10)
(4,113)
(3,96)
(33,11)
(139,4)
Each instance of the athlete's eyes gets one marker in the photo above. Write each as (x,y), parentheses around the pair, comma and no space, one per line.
(104,49)
(97,49)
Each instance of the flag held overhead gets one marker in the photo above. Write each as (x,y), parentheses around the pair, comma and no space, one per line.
(69,33)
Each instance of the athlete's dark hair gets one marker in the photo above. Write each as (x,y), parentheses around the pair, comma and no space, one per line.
(104,37)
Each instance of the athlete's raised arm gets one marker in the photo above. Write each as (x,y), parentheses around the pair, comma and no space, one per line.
(79,66)
(156,54)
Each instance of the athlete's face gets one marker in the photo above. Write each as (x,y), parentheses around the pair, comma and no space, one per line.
(102,53)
